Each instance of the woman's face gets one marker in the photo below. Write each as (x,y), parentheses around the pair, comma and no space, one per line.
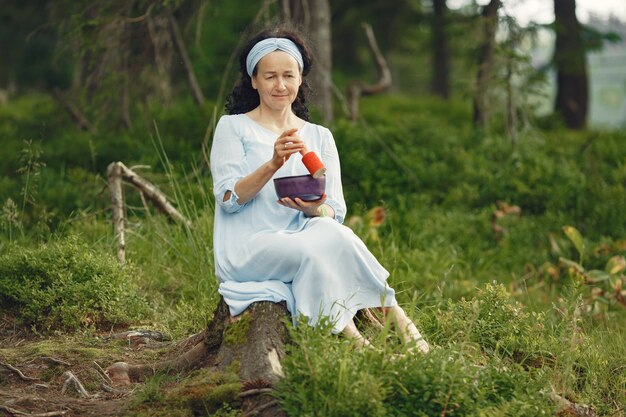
(277,80)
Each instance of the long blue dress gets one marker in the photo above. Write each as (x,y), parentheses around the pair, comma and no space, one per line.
(267,252)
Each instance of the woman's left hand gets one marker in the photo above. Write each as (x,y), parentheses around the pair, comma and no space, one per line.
(309,208)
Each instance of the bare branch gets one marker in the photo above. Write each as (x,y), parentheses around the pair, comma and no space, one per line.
(357,88)
(140,18)
(56,361)
(80,119)
(15,412)
(252,392)
(70,379)
(116,172)
(18,372)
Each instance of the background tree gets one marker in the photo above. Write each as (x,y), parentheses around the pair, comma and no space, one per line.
(572,94)
(485,62)
(441,82)
(314,18)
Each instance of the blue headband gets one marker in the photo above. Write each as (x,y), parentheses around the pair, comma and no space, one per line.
(268,45)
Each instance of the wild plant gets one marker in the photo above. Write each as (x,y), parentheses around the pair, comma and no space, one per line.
(66,285)
(30,170)
(602,290)
(177,259)
(11,220)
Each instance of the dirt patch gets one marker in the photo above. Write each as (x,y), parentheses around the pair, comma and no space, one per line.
(34,372)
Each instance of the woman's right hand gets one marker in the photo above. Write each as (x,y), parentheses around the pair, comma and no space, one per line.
(286,145)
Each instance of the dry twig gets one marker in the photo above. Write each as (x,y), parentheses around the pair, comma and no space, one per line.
(260,408)
(112,390)
(118,172)
(103,374)
(18,372)
(15,412)
(252,392)
(55,361)
(70,378)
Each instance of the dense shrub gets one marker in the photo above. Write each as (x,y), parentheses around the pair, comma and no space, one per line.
(66,285)
(325,376)
(447,382)
(429,157)
(495,322)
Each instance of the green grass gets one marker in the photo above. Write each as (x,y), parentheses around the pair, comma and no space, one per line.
(510,320)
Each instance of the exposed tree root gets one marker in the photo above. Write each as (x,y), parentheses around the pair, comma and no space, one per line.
(254,341)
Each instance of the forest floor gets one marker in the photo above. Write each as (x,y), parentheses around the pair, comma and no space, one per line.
(44,360)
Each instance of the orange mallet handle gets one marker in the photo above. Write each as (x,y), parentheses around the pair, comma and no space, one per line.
(313,164)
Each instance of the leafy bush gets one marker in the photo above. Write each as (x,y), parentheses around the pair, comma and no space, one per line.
(66,285)
(494,321)
(430,157)
(447,382)
(325,376)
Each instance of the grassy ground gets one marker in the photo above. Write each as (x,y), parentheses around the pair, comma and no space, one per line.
(472,227)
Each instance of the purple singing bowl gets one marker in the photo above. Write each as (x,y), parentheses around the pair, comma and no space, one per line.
(304,187)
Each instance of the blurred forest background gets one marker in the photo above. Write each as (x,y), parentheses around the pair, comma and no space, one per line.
(483,163)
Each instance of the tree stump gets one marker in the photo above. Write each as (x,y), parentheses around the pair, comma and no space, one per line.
(251,344)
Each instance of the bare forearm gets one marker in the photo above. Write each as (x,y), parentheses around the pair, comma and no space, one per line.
(247,187)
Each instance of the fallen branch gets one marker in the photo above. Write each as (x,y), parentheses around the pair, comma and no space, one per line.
(103,374)
(147,334)
(118,172)
(56,361)
(15,412)
(260,408)
(18,372)
(70,378)
(252,392)
(112,390)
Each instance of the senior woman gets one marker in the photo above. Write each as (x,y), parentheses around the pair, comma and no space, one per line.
(288,249)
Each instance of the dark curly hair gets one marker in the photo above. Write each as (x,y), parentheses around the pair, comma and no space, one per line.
(244,98)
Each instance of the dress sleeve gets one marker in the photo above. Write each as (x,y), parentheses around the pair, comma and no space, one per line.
(334,189)
(228,163)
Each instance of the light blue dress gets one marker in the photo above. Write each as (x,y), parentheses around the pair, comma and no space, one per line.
(267,252)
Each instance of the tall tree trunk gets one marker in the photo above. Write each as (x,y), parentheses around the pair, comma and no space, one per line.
(320,74)
(441,83)
(186,61)
(314,17)
(485,63)
(569,58)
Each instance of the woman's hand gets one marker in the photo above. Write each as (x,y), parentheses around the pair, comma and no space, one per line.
(309,208)
(286,145)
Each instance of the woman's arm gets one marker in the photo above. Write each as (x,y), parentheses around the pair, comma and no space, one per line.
(233,183)
(333,204)
(286,145)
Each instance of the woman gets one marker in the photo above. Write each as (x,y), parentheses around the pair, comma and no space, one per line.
(292,250)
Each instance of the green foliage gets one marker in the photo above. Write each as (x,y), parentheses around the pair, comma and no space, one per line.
(325,376)
(495,322)
(451,383)
(601,288)
(67,285)
(422,190)
(430,157)
(209,392)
